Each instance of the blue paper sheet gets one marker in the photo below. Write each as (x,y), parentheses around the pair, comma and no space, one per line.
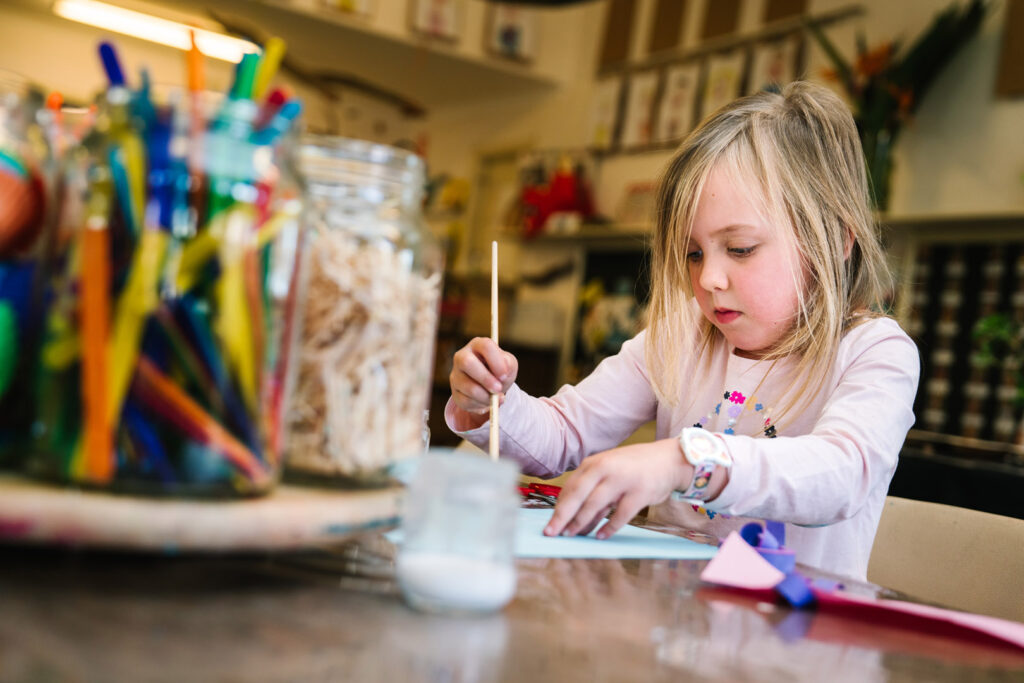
(628,543)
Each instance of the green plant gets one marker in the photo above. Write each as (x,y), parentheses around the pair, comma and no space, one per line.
(887,83)
(999,337)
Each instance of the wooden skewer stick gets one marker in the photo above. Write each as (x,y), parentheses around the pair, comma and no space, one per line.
(494,337)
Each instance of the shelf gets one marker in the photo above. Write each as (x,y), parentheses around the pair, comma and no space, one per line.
(424,70)
(602,237)
(954,222)
(772,31)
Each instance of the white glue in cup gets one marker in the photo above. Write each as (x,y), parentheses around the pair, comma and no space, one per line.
(456,555)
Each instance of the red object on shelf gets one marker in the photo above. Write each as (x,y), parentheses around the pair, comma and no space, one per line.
(566,191)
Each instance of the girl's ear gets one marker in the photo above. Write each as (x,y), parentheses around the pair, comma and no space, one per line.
(848,244)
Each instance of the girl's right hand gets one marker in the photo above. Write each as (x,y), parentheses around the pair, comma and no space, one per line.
(479,369)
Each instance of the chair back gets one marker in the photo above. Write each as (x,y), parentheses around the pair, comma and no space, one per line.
(956,557)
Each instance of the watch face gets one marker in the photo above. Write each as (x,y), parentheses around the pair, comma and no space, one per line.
(701,446)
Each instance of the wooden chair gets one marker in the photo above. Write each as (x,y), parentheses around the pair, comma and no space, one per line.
(957,557)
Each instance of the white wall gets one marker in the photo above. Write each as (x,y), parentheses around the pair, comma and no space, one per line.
(963,154)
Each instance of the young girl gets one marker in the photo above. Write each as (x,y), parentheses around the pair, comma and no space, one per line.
(778,389)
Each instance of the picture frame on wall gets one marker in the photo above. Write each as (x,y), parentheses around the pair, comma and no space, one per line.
(604,113)
(774,64)
(436,18)
(723,82)
(638,125)
(512,32)
(676,115)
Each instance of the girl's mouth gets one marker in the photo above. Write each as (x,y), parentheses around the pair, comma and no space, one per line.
(724,316)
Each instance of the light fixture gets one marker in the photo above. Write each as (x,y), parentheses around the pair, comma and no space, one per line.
(155,29)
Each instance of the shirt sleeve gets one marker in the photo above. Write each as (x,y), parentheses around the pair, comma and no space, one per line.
(826,476)
(549,436)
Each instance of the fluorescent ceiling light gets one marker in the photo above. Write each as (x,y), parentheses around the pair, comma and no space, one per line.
(155,29)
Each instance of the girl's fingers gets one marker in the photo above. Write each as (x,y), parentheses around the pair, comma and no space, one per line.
(489,353)
(572,497)
(592,511)
(492,358)
(597,520)
(512,366)
(626,510)
(472,366)
(469,400)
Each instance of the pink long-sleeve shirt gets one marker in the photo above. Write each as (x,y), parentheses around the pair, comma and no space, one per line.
(826,474)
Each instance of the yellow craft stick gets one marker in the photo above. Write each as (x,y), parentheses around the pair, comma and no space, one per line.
(138,299)
(273,51)
(234,324)
(495,403)
(197,252)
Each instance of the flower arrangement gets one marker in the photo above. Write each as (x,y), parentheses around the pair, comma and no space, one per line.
(887,83)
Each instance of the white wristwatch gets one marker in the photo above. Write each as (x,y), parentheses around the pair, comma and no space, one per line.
(705,452)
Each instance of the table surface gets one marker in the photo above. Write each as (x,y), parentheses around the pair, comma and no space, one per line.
(336,614)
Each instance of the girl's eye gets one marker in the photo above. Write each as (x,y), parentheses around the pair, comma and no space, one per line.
(741,251)
(694,256)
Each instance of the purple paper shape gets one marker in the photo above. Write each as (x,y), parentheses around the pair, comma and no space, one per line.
(796,590)
(780,558)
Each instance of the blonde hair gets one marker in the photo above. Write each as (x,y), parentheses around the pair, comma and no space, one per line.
(800,150)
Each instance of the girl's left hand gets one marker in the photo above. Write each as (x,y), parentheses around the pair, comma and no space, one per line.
(628,479)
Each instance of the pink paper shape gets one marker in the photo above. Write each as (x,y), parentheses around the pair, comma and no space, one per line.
(737,565)
(925,618)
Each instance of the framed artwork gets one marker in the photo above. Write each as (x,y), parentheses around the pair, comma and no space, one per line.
(773,64)
(725,76)
(676,114)
(618,32)
(604,113)
(362,8)
(512,32)
(436,18)
(637,130)
(637,204)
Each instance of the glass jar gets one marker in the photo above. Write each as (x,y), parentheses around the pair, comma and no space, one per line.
(165,361)
(370,314)
(26,210)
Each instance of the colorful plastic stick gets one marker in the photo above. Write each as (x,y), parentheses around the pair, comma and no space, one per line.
(176,406)
(234,324)
(196,328)
(94,461)
(147,443)
(137,300)
(273,51)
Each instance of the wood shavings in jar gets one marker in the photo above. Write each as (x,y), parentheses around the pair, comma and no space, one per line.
(364,357)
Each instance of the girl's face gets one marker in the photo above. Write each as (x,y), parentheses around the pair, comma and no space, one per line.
(741,268)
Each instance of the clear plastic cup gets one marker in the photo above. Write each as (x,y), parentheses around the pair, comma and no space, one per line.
(458,534)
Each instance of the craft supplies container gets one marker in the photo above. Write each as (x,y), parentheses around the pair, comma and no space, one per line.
(457,548)
(370,313)
(165,360)
(26,212)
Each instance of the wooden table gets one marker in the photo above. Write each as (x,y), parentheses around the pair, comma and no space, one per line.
(337,615)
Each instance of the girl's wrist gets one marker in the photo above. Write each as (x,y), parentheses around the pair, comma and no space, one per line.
(464,421)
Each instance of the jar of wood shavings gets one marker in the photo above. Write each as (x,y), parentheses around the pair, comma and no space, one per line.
(370,316)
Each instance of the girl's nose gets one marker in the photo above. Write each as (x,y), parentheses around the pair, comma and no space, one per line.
(712,275)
